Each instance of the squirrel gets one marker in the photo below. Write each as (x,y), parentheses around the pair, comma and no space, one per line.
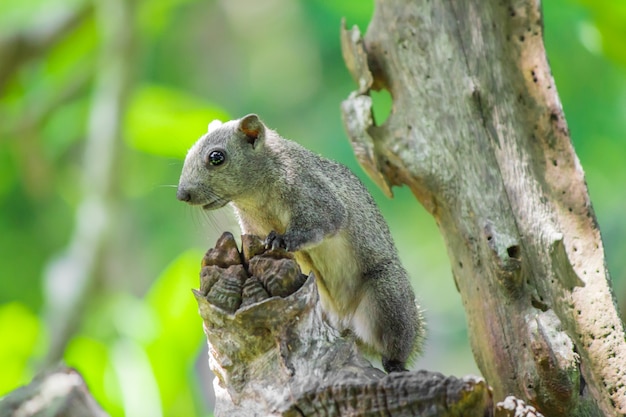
(319,210)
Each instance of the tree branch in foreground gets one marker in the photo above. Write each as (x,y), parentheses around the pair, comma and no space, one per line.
(60,392)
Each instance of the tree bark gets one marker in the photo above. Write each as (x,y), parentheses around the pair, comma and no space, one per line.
(478,134)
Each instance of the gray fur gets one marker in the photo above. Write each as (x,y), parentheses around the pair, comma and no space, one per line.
(321,211)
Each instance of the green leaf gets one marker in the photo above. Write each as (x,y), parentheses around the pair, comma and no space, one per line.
(92,358)
(166,122)
(154,16)
(609,18)
(356,12)
(173,352)
(19,330)
(171,296)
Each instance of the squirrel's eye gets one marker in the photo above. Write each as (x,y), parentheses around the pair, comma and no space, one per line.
(216,158)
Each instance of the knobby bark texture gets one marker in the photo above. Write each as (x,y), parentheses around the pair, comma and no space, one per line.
(478,134)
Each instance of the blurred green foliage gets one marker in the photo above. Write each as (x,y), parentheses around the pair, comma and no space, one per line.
(163,121)
(139,340)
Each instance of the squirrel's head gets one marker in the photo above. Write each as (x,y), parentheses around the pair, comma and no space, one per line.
(224,164)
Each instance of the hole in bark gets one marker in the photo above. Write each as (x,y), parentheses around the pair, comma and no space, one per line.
(521,38)
(381,106)
(582,384)
(569,209)
(461,265)
(539,305)
(513,251)
(554,162)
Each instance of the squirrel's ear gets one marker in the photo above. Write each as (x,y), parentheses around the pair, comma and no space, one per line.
(252,127)
(214,125)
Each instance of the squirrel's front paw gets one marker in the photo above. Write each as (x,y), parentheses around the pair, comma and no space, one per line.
(275,241)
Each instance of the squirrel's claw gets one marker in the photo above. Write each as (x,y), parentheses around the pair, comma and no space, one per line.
(274,241)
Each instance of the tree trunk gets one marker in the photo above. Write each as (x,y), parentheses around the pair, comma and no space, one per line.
(478,134)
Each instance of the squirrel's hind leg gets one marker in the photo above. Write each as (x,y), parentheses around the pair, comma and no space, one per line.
(388,320)
(391,365)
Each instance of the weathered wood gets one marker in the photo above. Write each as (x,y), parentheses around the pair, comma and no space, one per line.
(478,134)
(58,393)
(514,407)
(275,355)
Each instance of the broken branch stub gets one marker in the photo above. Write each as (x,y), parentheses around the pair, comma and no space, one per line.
(273,354)
(60,391)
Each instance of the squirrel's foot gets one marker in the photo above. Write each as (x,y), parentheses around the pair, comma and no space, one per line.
(392,365)
(291,241)
(275,241)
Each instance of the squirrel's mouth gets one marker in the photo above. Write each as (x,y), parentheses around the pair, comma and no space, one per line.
(215,204)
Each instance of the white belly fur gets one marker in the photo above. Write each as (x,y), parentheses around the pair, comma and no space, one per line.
(338,277)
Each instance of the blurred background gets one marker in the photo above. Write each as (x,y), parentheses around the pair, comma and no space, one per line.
(99,101)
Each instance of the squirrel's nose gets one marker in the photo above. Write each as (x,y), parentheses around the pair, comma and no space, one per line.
(183,195)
